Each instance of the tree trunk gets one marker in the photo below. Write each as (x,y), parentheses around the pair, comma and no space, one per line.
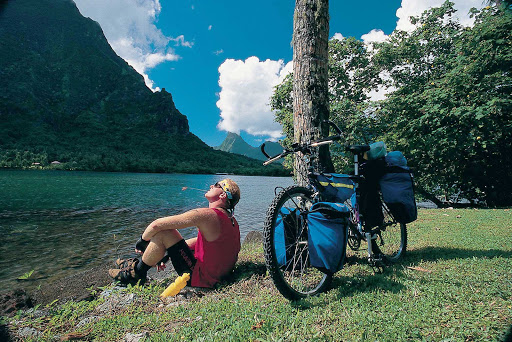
(310,80)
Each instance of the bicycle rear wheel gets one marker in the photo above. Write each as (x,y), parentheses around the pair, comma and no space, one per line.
(286,245)
(392,241)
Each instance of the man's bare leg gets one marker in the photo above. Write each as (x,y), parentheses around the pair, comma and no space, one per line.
(158,246)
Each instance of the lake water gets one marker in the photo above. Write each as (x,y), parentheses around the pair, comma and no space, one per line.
(58,223)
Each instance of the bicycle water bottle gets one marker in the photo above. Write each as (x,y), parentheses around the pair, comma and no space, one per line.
(175,288)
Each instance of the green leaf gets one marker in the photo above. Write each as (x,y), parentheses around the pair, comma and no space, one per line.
(25,276)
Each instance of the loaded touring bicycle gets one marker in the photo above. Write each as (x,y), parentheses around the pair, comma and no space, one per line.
(308,228)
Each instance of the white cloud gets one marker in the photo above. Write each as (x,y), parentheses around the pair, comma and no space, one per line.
(129,26)
(337,36)
(180,41)
(210,28)
(218,52)
(374,36)
(416,7)
(382,91)
(246,88)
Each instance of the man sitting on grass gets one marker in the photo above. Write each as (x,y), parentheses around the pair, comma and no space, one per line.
(207,258)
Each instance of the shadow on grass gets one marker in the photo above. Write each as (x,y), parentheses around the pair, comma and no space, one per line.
(350,285)
(446,253)
(244,270)
(347,286)
(344,287)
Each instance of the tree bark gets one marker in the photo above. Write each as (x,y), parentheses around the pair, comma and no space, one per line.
(310,80)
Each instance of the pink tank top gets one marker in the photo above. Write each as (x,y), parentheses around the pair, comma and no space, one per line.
(216,259)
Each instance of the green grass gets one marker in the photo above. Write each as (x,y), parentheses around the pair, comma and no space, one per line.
(461,290)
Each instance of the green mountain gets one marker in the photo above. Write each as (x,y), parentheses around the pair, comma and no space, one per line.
(66,96)
(235,144)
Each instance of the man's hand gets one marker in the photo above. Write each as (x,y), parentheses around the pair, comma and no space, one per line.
(160,266)
(141,245)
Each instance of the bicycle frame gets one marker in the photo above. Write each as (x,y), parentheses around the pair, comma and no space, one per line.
(357,227)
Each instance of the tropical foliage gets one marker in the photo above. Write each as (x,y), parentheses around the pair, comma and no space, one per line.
(448,106)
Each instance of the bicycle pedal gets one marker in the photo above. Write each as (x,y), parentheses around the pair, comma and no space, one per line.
(378,262)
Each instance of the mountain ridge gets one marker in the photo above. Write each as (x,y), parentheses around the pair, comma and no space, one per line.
(66,96)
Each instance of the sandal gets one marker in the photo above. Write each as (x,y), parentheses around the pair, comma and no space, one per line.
(127,275)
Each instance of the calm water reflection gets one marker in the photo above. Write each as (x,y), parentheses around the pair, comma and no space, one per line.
(58,223)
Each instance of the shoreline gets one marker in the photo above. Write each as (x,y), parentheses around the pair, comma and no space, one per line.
(79,287)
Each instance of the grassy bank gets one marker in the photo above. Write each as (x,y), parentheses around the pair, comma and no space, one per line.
(454,284)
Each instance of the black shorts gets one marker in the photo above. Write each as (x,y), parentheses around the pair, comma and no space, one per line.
(182,257)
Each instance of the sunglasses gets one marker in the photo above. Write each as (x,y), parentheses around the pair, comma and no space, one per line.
(224,188)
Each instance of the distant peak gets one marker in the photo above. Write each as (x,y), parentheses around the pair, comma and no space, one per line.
(230,134)
(234,143)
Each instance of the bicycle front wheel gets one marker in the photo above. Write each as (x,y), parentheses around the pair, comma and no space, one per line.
(392,241)
(286,245)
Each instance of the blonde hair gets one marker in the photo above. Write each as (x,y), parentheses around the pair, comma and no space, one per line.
(233,188)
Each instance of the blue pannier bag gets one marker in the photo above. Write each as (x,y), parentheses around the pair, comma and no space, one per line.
(285,234)
(396,158)
(327,235)
(335,187)
(397,189)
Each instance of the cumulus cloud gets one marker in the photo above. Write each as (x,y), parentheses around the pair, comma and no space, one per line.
(337,36)
(374,36)
(246,88)
(132,33)
(416,7)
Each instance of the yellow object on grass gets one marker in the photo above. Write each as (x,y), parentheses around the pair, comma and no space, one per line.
(175,288)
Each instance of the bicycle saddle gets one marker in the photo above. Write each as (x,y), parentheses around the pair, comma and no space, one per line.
(357,149)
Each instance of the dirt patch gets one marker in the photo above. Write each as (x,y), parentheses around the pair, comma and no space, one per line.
(78,287)
(12,301)
(75,287)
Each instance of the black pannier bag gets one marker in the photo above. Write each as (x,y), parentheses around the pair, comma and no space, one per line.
(327,235)
(370,205)
(397,189)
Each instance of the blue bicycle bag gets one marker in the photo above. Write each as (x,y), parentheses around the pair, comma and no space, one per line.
(327,235)
(286,234)
(334,187)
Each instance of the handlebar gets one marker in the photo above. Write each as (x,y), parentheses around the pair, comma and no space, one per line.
(304,148)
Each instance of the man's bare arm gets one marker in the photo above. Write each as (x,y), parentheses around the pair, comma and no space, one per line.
(204,219)
(189,219)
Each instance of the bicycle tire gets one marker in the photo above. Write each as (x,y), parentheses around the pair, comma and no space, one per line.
(295,279)
(353,240)
(392,241)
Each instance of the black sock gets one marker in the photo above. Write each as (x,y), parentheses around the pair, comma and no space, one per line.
(182,257)
(141,268)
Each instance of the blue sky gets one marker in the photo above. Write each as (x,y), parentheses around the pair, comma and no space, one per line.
(220,59)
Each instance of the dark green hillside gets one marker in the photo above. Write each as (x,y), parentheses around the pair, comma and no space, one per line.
(65,95)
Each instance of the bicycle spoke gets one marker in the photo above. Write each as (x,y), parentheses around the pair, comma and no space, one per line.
(295,278)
